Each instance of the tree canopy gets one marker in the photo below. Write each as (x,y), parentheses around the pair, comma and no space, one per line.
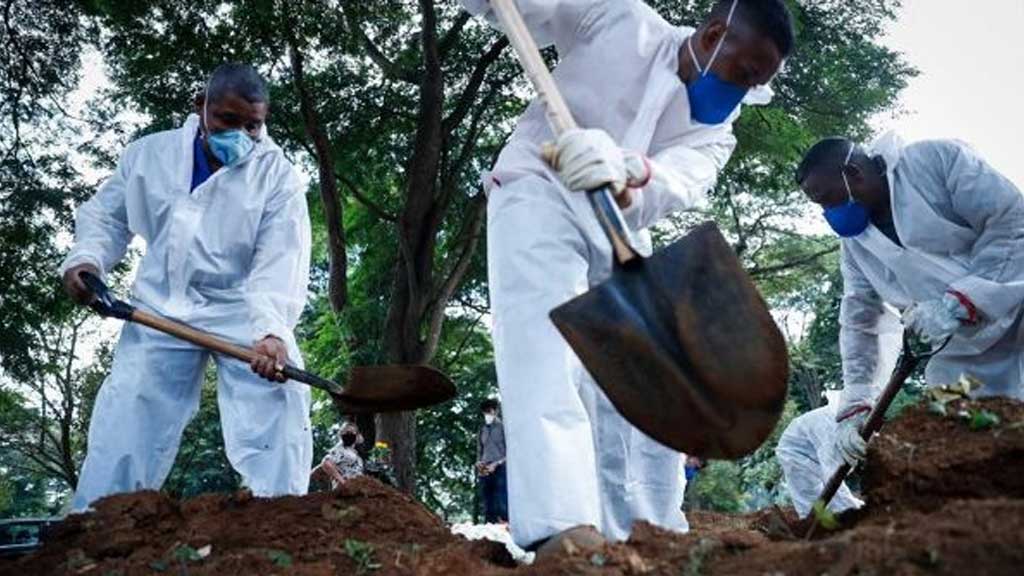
(393,108)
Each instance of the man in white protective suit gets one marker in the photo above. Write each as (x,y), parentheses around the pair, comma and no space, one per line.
(931,230)
(227,233)
(656,103)
(806,449)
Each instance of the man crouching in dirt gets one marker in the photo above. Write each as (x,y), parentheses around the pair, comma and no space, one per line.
(227,233)
(933,231)
(657,103)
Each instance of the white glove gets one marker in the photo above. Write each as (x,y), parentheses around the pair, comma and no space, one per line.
(589,159)
(936,320)
(849,444)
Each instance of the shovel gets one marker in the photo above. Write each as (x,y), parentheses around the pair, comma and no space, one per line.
(682,342)
(369,389)
(910,359)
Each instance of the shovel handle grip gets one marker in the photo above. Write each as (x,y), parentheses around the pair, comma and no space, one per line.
(561,120)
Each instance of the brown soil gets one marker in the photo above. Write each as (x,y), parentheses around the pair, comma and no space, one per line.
(943,499)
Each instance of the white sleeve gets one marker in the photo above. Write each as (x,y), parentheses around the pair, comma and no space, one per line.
(101,224)
(994,208)
(276,290)
(861,315)
(550,22)
(680,179)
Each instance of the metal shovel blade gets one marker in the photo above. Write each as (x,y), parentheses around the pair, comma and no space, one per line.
(393,389)
(685,348)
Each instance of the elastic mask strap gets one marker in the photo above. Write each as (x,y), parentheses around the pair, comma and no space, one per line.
(718,48)
(206,121)
(842,170)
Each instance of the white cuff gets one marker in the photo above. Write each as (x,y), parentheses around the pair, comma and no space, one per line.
(74,259)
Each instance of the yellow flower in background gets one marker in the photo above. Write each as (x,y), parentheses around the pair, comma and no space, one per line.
(383,445)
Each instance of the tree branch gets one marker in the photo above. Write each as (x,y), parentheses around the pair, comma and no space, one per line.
(387,67)
(476,79)
(337,284)
(469,243)
(366,201)
(758,272)
(451,37)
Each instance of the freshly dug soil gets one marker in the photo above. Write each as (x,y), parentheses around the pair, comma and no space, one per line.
(364,527)
(942,499)
(922,460)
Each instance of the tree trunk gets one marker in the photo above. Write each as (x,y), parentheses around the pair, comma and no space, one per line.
(337,285)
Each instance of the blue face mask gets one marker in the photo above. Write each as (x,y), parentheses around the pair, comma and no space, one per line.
(229,146)
(712,99)
(850,218)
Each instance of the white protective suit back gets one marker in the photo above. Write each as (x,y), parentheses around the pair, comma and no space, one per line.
(942,197)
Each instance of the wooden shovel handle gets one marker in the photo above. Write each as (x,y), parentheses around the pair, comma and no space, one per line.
(211,342)
(561,120)
(907,364)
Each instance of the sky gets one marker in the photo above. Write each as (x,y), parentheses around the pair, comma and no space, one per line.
(970,54)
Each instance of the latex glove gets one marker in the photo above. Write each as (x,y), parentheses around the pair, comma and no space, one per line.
(589,159)
(849,444)
(936,320)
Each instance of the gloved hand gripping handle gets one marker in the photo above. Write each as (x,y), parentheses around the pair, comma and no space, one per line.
(601,199)
(109,307)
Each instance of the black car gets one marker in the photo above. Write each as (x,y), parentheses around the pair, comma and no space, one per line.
(23,535)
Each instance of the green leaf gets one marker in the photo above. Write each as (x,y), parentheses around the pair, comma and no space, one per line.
(983,420)
(826,519)
(280,558)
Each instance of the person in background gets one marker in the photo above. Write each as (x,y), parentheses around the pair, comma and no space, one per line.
(692,468)
(490,463)
(342,462)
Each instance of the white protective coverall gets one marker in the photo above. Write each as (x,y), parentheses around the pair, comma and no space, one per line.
(572,459)
(961,224)
(231,258)
(962,228)
(806,450)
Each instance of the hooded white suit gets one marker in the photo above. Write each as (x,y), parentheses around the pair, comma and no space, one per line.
(231,258)
(572,459)
(961,224)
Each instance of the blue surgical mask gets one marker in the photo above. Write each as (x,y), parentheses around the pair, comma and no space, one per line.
(713,99)
(229,146)
(850,218)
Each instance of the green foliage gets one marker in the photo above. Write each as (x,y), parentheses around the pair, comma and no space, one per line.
(719,488)
(825,518)
(159,51)
(362,553)
(280,558)
(982,419)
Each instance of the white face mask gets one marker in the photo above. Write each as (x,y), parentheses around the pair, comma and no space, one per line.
(489,418)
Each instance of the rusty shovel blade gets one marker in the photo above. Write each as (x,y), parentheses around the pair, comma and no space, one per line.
(395,388)
(684,346)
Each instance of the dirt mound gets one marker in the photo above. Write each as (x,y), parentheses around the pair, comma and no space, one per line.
(922,459)
(944,497)
(365,527)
